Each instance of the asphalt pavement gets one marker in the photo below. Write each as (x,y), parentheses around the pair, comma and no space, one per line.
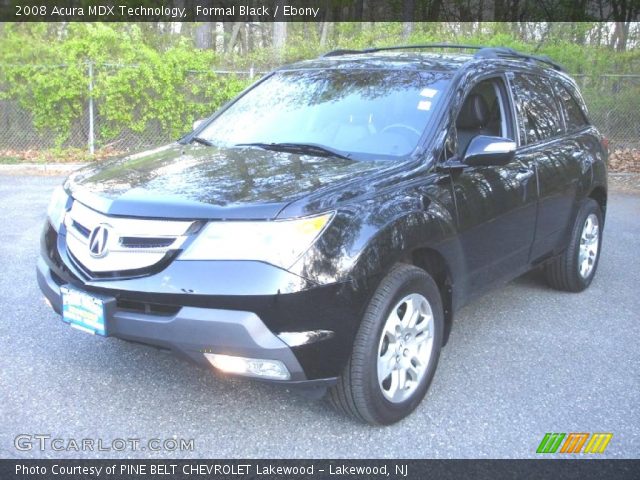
(522,361)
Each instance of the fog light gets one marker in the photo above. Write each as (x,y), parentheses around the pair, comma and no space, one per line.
(250,367)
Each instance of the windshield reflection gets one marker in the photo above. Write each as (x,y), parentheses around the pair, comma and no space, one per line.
(360,113)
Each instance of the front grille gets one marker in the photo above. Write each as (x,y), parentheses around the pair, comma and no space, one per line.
(84,231)
(129,244)
(151,242)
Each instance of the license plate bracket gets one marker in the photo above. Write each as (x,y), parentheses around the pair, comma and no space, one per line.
(84,311)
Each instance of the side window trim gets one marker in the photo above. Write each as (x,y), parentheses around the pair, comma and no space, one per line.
(562,108)
(541,141)
(508,76)
(502,98)
(509,120)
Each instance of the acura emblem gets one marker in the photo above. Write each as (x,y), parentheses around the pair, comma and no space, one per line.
(98,241)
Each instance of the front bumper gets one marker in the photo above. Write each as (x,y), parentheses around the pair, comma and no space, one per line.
(229,308)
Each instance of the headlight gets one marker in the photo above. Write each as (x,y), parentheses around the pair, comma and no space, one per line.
(279,242)
(57,207)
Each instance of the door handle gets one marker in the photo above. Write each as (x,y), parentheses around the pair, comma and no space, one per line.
(523,176)
(524,173)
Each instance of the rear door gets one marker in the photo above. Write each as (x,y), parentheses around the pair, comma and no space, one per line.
(544,142)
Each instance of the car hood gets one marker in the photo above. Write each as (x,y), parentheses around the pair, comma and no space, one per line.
(196,181)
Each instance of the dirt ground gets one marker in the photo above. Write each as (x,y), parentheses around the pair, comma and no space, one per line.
(625,182)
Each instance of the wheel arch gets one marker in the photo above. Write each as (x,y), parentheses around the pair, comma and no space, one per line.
(435,264)
(408,231)
(599,194)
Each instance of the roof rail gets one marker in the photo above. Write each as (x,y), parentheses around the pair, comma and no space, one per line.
(482,52)
(504,52)
(335,53)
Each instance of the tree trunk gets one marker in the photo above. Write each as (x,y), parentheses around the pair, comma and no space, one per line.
(279,37)
(624,36)
(204,36)
(359,9)
(407,29)
(433,11)
(234,36)
(245,38)
(326,27)
(499,11)
(227,27)
(620,36)
(219,44)
(408,9)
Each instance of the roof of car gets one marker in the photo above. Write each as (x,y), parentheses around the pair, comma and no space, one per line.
(396,58)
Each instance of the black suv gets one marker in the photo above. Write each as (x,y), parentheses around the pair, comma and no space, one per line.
(322,228)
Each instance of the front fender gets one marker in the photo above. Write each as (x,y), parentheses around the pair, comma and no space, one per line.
(366,239)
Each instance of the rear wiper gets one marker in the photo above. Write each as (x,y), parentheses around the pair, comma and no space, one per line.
(202,141)
(302,148)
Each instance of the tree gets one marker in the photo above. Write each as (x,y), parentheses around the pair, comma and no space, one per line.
(204,36)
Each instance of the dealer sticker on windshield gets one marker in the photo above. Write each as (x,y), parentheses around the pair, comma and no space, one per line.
(83,311)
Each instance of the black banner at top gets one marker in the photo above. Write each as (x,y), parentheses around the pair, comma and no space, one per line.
(318,10)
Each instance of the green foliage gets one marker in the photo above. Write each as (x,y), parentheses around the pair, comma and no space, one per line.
(135,86)
(149,77)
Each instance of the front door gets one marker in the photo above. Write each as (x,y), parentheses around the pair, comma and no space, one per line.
(496,205)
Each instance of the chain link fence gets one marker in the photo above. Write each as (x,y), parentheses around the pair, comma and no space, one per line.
(613,101)
(95,130)
(614,107)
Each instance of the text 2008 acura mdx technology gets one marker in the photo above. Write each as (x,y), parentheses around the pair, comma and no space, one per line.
(322,228)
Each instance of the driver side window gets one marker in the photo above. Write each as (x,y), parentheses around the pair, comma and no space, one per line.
(484,112)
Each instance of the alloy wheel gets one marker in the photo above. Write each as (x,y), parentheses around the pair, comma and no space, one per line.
(589,243)
(405,347)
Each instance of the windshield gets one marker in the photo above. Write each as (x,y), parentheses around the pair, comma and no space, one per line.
(360,113)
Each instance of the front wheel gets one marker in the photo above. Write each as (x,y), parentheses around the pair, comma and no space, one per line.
(396,350)
(574,270)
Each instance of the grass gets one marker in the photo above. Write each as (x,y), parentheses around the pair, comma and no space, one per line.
(6,160)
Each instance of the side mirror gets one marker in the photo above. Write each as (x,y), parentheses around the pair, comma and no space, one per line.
(487,151)
(197,123)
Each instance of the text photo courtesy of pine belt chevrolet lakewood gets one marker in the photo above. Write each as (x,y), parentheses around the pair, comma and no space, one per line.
(322,228)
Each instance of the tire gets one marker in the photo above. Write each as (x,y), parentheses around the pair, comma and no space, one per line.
(382,343)
(569,272)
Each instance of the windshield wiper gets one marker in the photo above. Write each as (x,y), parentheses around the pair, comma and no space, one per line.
(202,141)
(302,148)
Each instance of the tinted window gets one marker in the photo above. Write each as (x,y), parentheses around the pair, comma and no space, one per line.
(366,113)
(538,114)
(573,115)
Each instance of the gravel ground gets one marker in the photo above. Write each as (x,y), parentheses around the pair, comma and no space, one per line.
(522,361)
(625,182)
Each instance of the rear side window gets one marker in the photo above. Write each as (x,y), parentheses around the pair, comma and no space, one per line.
(538,115)
(573,114)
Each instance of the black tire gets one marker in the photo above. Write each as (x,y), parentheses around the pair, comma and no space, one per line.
(563,272)
(358,392)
